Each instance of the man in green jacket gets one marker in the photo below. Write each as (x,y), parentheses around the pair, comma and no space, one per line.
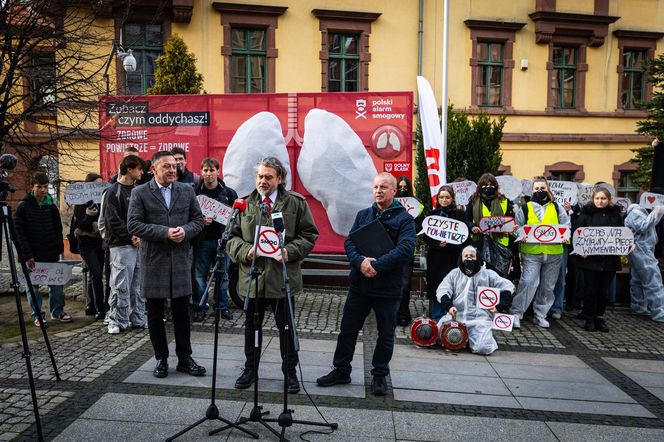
(271,196)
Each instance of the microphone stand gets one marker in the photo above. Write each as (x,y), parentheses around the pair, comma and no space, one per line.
(257,413)
(212,412)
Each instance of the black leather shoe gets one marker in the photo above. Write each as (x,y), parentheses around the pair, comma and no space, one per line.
(333,378)
(590,325)
(379,386)
(161,370)
(293,384)
(404,322)
(601,325)
(226,314)
(198,316)
(245,380)
(190,366)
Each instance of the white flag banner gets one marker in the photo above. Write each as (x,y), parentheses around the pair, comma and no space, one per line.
(434,151)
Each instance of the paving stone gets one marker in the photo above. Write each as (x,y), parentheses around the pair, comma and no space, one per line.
(450,383)
(637,365)
(542,359)
(437,397)
(591,407)
(566,390)
(519,371)
(571,432)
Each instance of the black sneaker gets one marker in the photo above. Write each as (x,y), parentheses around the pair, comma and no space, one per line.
(293,384)
(245,380)
(226,314)
(590,325)
(601,325)
(333,378)
(379,386)
(199,316)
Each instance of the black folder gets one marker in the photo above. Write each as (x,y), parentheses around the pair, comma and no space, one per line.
(372,240)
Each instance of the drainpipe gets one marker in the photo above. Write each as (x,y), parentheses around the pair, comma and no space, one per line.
(420,36)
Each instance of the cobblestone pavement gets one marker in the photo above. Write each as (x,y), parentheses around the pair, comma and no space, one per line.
(93,363)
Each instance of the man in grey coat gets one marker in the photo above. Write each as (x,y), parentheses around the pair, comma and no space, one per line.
(166,216)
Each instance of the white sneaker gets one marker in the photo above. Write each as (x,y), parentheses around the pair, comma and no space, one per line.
(517,322)
(556,315)
(543,323)
(107,318)
(113,329)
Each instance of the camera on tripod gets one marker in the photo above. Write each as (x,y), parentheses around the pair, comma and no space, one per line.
(7,163)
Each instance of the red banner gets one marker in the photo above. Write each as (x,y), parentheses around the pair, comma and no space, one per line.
(204,125)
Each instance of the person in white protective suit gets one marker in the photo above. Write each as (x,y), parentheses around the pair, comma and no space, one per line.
(646,287)
(457,295)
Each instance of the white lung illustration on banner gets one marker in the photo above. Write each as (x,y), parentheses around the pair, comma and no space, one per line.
(335,168)
(258,137)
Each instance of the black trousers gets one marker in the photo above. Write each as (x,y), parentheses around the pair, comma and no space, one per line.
(404,306)
(93,255)
(596,294)
(280,309)
(181,326)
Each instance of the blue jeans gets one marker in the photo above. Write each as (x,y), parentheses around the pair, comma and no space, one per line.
(356,310)
(559,290)
(204,257)
(56,301)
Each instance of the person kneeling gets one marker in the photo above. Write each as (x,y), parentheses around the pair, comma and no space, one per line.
(457,295)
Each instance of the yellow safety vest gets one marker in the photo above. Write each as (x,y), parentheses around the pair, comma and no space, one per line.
(550,217)
(501,238)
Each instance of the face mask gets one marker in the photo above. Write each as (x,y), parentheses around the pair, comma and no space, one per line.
(541,196)
(402,193)
(489,191)
(469,264)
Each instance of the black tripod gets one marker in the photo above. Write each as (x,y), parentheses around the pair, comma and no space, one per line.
(212,412)
(8,233)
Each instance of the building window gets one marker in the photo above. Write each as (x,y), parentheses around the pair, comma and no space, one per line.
(627,188)
(564,171)
(562,175)
(42,80)
(632,79)
(248,61)
(490,64)
(146,43)
(344,64)
(564,81)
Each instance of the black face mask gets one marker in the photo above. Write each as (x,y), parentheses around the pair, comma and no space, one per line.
(469,265)
(489,191)
(540,197)
(402,193)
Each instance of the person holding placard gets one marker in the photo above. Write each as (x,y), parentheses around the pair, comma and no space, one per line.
(457,295)
(598,270)
(495,248)
(271,196)
(205,246)
(541,262)
(442,257)
(646,289)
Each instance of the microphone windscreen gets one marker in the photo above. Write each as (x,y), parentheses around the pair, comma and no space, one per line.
(240,204)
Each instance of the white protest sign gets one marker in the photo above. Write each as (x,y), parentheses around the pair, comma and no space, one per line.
(463,190)
(586,192)
(649,200)
(622,202)
(487,297)
(412,205)
(497,224)
(81,193)
(49,273)
(268,242)
(544,233)
(220,212)
(503,322)
(527,187)
(445,229)
(509,186)
(602,240)
(564,191)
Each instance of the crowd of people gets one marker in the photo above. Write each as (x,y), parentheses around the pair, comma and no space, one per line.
(151,242)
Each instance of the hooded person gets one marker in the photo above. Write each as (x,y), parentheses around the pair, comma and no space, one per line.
(457,295)
(646,287)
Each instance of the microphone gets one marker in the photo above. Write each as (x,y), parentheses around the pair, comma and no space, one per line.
(278,222)
(239,206)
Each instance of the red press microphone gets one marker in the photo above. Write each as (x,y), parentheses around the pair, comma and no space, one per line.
(239,206)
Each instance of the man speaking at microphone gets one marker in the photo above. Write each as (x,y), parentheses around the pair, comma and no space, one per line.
(205,245)
(271,196)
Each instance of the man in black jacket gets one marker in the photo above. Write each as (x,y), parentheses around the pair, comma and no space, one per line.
(39,236)
(185,175)
(126,305)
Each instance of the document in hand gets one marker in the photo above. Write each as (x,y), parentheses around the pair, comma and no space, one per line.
(372,239)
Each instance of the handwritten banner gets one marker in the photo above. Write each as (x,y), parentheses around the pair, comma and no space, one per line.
(497,224)
(445,229)
(509,186)
(649,200)
(602,240)
(412,205)
(487,297)
(586,192)
(622,202)
(527,187)
(49,273)
(564,192)
(544,233)
(463,190)
(220,212)
(81,193)
(503,322)
(268,242)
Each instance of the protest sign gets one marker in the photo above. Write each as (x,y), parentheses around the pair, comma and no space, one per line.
(509,186)
(564,192)
(527,187)
(602,240)
(497,224)
(544,233)
(412,205)
(463,190)
(49,273)
(81,193)
(586,192)
(503,322)
(214,209)
(649,200)
(622,202)
(445,229)
(487,297)
(268,242)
